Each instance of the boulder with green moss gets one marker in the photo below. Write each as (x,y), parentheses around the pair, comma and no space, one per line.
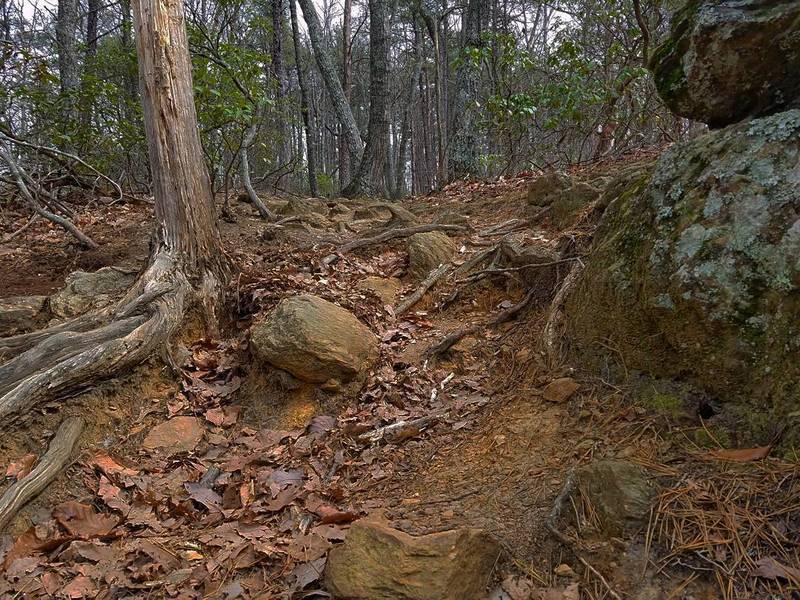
(726,60)
(695,268)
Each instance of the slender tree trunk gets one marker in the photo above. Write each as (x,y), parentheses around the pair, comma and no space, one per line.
(362,181)
(347,84)
(308,123)
(331,79)
(464,143)
(91,27)
(66,42)
(405,130)
(279,74)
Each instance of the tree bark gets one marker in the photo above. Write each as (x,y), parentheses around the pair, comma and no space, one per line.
(347,85)
(362,181)
(308,123)
(464,142)
(66,42)
(334,87)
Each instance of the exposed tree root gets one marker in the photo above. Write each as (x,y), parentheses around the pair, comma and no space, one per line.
(402,430)
(455,336)
(391,234)
(423,288)
(570,484)
(552,326)
(49,467)
(75,354)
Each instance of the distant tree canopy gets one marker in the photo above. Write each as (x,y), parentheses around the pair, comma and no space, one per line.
(453,89)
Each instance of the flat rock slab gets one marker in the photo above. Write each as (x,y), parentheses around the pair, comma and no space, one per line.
(378,562)
(560,390)
(179,434)
(19,313)
(315,340)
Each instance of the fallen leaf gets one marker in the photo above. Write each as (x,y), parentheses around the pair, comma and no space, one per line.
(29,543)
(204,495)
(769,568)
(560,390)
(22,467)
(80,587)
(109,466)
(741,454)
(81,521)
(179,434)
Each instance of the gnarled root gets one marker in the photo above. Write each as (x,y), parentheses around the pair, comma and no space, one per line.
(70,356)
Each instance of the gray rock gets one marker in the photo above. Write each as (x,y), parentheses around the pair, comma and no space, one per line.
(726,60)
(426,251)
(19,313)
(695,269)
(84,291)
(546,188)
(378,562)
(314,340)
(620,493)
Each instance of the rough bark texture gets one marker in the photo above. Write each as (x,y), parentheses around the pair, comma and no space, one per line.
(66,32)
(464,142)
(347,85)
(378,98)
(308,122)
(332,83)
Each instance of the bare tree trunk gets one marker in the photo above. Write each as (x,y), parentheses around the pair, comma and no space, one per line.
(328,71)
(279,73)
(347,84)
(362,181)
(464,142)
(66,41)
(308,124)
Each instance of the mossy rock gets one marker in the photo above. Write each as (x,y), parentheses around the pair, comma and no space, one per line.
(695,269)
(726,61)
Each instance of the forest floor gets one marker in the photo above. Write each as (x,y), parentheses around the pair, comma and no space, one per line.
(273,471)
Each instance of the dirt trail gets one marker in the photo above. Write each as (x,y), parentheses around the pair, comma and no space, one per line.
(288,471)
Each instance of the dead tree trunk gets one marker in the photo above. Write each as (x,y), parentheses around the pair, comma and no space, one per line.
(187,266)
(347,85)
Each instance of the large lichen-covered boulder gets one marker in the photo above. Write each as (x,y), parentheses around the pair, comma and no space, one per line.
(695,270)
(378,562)
(84,291)
(726,60)
(426,251)
(314,340)
(565,195)
(19,313)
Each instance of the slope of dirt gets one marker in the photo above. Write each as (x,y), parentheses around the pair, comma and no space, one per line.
(276,470)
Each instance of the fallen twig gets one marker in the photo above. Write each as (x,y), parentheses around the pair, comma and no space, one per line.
(52,463)
(402,430)
(427,284)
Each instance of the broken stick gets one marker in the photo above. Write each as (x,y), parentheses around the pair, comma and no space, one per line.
(51,464)
(397,432)
(417,294)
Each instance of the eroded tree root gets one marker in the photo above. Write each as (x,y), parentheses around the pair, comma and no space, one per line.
(49,467)
(71,356)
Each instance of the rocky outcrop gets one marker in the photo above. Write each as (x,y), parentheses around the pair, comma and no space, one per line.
(426,251)
(299,207)
(84,291)
(314,340)
(619,492)
(728,60)
(695,269)
(378,562)
(19,313)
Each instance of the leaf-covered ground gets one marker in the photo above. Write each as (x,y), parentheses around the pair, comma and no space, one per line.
(222,480)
